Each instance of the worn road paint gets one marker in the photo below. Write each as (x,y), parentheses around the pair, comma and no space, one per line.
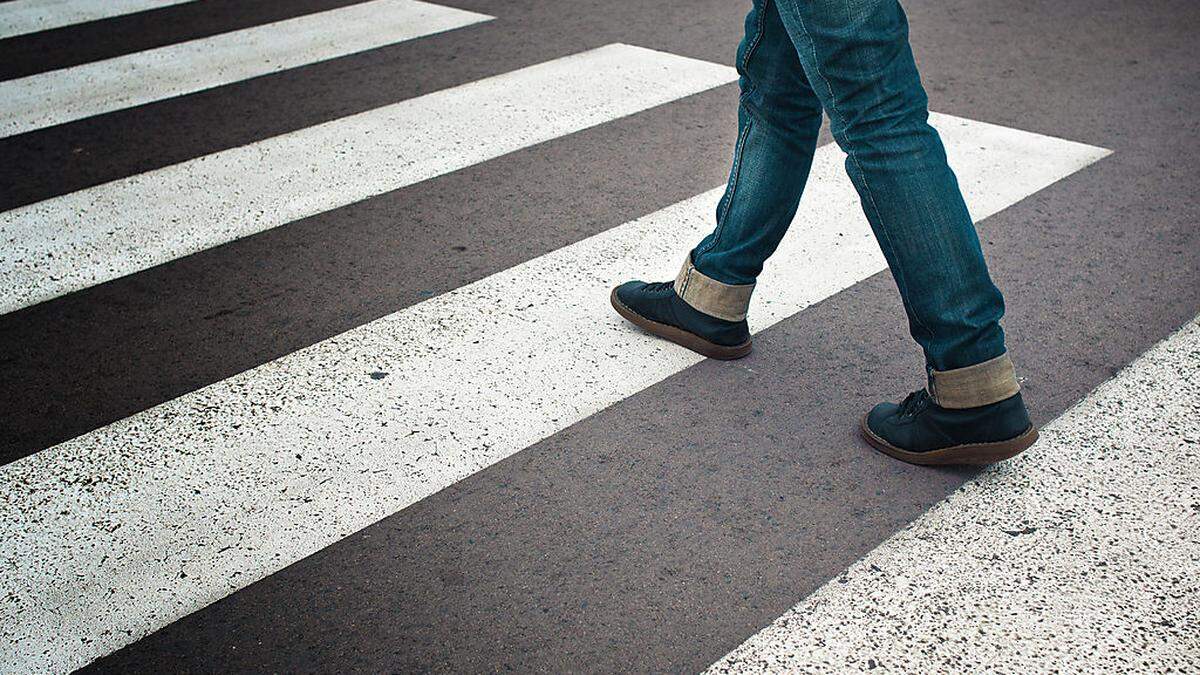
(1074,554)
(84,238)
(30,16)
(59,96)
(163,512)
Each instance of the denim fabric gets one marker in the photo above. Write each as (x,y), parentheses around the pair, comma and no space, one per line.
(851,59)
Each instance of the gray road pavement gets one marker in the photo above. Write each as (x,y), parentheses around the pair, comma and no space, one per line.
(655,529)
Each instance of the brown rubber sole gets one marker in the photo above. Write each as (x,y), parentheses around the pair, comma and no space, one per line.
(679,336)
(966,454)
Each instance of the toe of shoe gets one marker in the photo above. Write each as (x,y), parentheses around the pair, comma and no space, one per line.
(627,291)
(881,422)
(877,419)
(630,294)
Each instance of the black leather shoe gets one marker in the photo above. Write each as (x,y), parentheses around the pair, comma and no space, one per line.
(919,431)
(656,308)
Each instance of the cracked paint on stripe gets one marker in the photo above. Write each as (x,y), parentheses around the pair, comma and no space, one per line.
(1083,552)
(168,510)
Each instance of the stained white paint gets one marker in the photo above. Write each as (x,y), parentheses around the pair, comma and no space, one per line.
(59,96)
(234,481)
(1081,555)
(30,16)
(84,238)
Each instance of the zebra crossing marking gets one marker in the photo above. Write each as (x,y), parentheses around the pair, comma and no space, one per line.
(1072,546)
(91,236)
(59,96)
(168,510)
(31,16)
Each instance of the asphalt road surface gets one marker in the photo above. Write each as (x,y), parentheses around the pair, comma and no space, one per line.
(306,362)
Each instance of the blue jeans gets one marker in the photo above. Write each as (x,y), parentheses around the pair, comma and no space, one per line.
(851,58)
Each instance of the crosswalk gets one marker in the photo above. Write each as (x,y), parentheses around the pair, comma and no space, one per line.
(21,17)
(123,530)
(1091,545)
(217,198)
(481,373)
(99,87)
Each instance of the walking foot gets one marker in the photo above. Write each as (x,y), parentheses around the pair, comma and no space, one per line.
(919,431)
(656,308)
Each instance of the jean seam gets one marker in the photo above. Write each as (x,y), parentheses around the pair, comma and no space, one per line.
(850,152)
(741,142)
(731,191)
(757,34)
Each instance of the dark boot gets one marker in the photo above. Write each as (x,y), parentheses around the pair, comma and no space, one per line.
(919,431)
(696,311)
(656,308)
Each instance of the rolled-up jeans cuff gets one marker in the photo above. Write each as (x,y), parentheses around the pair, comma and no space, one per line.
(973,386)
(709,296)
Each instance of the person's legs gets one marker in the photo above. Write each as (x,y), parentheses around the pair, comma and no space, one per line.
(852,58)
(857,57)
(779,118)
(856,54)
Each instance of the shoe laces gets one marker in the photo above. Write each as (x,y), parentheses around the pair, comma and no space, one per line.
(914,403)
(656,286)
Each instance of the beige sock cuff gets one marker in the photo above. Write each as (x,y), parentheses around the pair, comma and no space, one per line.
(970,387)
(709,296)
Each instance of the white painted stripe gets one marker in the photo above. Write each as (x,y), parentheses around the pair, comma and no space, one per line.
(71,242)
(59,96)
(1081,555)
(113,534)
(30,16)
